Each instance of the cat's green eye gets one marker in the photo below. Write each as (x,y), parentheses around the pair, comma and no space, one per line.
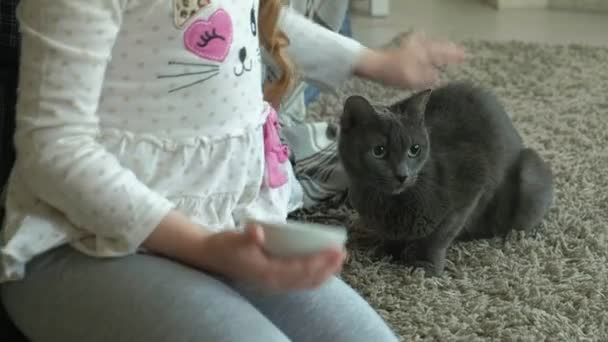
(414,151)
(379,151)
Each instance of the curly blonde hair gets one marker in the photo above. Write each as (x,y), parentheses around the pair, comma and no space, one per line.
(275,42)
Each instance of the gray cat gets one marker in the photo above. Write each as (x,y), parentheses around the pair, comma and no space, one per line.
(437,167)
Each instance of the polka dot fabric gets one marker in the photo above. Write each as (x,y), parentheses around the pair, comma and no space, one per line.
(124,116)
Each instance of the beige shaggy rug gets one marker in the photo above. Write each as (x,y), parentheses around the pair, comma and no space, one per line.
(551,286)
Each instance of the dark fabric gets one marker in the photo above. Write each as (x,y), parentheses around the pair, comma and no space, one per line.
(8,332)
(9,45)
(8,82)
(312,93)
(8,95)
(9,61)
(9,32)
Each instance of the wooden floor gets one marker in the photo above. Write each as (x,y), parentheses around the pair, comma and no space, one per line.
(462,19)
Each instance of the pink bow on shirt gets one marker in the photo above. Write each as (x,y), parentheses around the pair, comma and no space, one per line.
(275,153)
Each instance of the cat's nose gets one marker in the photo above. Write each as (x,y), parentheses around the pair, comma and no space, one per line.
(243,54)
(401,178)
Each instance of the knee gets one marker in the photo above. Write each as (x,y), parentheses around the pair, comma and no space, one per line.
(360,322)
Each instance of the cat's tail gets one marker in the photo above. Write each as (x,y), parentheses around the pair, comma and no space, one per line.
(535,190)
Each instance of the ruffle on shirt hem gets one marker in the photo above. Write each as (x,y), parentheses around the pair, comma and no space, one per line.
(173,142)
(214,212)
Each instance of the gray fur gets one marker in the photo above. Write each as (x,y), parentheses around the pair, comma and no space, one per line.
(473,177)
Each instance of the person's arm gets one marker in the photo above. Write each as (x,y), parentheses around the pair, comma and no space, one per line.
(328,58)
(414,64)
(322,56)
(66,47)
(177,238)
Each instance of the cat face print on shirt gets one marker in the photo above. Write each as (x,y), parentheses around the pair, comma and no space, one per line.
(184,10)
(222,39)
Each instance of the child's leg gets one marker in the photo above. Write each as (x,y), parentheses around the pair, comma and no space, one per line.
(334,312)
(70,297)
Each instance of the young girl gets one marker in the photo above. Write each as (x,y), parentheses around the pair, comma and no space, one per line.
(144,139)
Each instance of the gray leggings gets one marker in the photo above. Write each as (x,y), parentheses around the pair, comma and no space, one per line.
(70,297)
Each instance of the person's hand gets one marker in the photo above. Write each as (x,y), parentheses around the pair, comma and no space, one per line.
(239,256)
(415,64)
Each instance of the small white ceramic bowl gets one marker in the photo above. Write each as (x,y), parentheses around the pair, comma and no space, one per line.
(299,238)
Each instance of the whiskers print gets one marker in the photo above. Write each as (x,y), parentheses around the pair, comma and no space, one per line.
(205,70)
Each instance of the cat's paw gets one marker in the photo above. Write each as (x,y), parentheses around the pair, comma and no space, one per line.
(429,268)
(418,256)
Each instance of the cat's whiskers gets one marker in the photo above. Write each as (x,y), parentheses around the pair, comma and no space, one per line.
(202,69)
(194,83)
(206,65)
(188,74)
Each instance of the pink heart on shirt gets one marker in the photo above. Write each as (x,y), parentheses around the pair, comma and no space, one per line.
(210,39)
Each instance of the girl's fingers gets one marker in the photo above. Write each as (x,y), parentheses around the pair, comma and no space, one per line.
(302,273)
(282,274)
(334,266)
(326,265)
(419,36)
(444,53)
(255,234)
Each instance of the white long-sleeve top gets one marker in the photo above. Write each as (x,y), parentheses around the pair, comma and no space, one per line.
(130,108)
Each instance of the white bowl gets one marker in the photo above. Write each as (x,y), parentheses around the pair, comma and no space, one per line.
(298,238)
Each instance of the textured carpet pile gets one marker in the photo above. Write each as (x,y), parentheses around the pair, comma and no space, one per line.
(548,286)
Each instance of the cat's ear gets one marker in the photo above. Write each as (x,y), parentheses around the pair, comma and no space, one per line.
(414,106)
(357,111)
